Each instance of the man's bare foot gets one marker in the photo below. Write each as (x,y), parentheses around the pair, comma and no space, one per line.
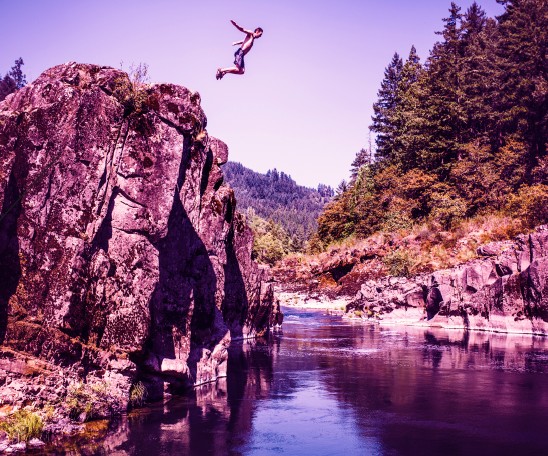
(219,74)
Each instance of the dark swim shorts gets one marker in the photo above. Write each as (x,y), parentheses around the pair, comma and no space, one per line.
(239,58)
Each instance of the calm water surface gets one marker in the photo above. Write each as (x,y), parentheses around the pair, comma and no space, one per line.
(323,386)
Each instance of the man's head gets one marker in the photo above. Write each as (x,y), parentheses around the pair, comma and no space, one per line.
(258,32)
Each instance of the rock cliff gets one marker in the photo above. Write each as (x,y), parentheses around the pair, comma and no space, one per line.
(505,290)
(122,257)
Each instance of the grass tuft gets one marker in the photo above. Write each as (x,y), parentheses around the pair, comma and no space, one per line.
(138,394)
(22,426)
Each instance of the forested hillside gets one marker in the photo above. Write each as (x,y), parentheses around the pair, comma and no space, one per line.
(462,135)
(274,197)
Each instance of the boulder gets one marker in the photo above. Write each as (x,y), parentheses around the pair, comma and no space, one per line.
(119,244)
(493,248)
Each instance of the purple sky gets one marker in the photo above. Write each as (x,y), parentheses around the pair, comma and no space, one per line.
(305,102)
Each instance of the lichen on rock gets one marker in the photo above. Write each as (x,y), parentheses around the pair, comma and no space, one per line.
(122,257)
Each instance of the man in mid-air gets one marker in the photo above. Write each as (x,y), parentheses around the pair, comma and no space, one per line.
(247,44)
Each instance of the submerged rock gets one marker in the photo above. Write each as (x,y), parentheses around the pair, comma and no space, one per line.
(505,290)
(122,256)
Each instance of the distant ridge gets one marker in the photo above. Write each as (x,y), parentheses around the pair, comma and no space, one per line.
(275,195)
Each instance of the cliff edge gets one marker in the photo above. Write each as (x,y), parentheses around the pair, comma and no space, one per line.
(122,257)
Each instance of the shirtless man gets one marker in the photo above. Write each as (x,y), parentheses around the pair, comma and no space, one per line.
(247,44)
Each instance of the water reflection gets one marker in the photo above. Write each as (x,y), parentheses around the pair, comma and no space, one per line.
(325,386)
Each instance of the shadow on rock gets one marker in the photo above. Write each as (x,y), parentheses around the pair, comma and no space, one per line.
(235,302)
(10,268)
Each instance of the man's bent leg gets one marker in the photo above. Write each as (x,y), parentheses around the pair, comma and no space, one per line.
(233,70)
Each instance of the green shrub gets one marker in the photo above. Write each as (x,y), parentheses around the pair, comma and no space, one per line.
(22,426)
(92,399)
(271,242)
(399,263)
(130,89)
(447,209)
(138,394)
(530,204)
(396,221)
(358,313)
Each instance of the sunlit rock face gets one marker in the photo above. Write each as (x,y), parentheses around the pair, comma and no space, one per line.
(505,289)
(121,254)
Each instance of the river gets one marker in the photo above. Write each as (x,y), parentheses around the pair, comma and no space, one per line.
(327,386)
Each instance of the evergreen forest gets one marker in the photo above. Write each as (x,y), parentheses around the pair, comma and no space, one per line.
(463,134)
(282,213)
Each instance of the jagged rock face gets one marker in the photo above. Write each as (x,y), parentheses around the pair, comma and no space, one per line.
(121,253)
(505,290)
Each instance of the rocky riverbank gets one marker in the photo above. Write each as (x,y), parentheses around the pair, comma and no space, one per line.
(504,289)
(125,270)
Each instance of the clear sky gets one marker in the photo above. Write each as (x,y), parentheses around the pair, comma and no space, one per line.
(305,101)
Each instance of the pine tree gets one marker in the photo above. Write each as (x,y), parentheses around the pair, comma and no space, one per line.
(341,190)
(523,72)
(474,21)
(17,74)
(13,80)
(384,108)
(288,204)
(363,157)
(409,137)
(480,76)
(443,100)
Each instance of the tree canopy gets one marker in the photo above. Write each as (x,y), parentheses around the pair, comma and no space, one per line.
(464,133)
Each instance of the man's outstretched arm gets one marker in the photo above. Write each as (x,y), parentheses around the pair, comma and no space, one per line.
(241,29)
